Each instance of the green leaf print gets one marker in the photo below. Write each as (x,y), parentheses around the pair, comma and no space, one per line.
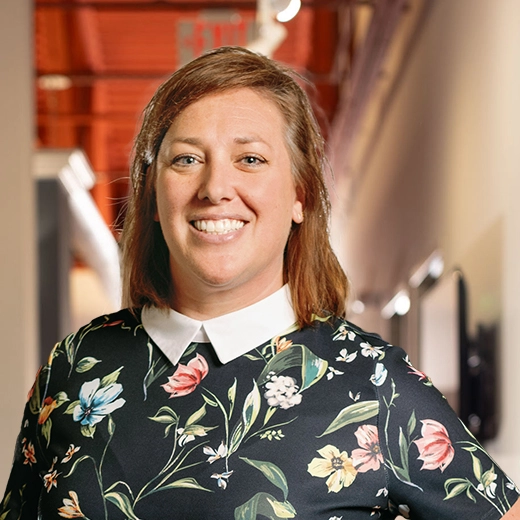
(456,486)
(266,505)
(188,483)
(477,467)
(88,430)
(165,415)
(70,408)
(357,412)
(46,430)
(111,378)
(87,363)
(122,502)
(313,368)
(250,411)
(271,472)
(232,392)
(403,449)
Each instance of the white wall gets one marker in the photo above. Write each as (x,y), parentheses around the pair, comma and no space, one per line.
(447,170)
(17,229)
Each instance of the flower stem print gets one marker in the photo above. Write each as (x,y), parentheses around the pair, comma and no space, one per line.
(98,468)
(401,472)
(156,368)
(191,430)
(485,486)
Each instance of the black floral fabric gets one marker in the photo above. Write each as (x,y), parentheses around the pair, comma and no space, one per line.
(327,422)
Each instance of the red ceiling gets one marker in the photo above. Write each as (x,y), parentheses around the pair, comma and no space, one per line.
(117,52)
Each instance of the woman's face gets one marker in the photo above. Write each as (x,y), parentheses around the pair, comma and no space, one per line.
(226,198)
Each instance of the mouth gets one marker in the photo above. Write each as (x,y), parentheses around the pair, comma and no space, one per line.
(218,227)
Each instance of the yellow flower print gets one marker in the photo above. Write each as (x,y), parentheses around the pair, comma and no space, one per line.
(48,407)
(335,465)
(71,507)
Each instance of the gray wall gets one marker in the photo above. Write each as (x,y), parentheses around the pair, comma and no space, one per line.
(17,236)
(446,174)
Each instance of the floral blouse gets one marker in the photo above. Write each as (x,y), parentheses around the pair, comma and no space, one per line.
(323,423)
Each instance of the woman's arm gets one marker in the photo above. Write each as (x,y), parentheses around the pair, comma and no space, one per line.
(513,513)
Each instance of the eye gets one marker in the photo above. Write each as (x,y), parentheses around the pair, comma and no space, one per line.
(252,160)
(184,160)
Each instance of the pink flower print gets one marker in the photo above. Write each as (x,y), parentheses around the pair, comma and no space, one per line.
(435,448)
(187,377)
(113,323)
(368,456)
(422,376)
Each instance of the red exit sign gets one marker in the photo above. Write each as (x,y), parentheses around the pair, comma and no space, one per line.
(211,29)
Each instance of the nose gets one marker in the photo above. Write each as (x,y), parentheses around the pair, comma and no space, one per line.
(216,182)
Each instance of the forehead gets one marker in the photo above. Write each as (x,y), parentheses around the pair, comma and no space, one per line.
(239,107)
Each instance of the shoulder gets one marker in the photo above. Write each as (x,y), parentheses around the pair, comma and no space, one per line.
(108,335)
(111,326)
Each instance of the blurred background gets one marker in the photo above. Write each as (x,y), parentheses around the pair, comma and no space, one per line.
(419,101)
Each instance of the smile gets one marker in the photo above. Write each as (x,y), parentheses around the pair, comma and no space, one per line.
(218,227)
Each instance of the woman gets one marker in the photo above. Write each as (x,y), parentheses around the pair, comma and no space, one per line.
(232,387)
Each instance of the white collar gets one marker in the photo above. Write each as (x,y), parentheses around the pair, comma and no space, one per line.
(231,334)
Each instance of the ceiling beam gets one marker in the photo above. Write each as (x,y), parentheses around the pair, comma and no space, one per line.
(172,5)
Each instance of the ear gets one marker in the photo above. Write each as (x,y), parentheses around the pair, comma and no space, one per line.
(297,213)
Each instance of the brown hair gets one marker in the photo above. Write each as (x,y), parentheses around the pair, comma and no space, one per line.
(317,282)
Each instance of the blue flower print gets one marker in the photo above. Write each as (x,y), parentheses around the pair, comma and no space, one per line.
(379,376)
(95,402)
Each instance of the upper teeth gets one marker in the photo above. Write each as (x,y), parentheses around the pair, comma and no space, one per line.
(218,226)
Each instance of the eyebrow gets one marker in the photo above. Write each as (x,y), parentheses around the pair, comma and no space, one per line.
(187,140)
(239,140)
(250,139)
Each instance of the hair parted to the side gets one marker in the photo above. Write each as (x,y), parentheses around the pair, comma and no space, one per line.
(317,282)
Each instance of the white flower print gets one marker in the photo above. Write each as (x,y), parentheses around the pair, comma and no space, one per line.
(189,434)
(369,350)
(345,356)
(488,484)
(222,478)
(344,333)
(341,334)
(333,372)
(382,491)
(215,455)
(282,391)
(511,485)
(354,398)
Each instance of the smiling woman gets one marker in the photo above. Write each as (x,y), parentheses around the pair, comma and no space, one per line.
(226,201)
(231,385)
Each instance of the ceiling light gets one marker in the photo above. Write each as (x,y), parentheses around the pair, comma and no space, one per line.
(399,304)
(54,82)
(432,268)
(289,12)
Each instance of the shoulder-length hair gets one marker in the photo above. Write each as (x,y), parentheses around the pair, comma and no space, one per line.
(317,282)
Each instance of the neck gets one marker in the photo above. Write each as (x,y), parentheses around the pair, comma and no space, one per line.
(216,301)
